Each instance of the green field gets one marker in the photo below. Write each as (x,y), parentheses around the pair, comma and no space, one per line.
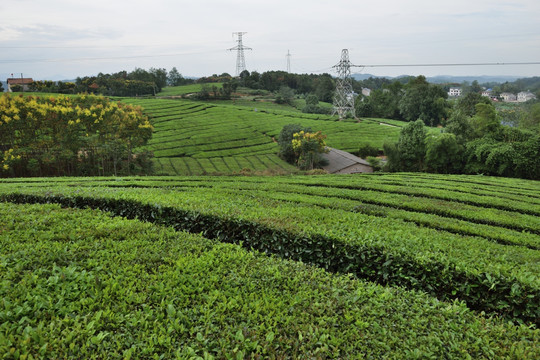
(194,138)
(185,89)
(397,266)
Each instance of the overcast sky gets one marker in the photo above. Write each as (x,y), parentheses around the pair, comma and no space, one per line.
(63,39)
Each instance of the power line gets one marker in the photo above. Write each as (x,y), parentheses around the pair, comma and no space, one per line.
(450,64)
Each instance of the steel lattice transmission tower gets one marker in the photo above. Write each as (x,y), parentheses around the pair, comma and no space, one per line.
(240,60)
(344,95)
(288,61)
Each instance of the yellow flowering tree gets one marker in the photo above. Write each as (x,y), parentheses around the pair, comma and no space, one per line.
(308,147)
(77,135)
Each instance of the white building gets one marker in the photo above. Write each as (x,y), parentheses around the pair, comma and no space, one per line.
(454,91)
(487,92)
(525,96)
(508,97)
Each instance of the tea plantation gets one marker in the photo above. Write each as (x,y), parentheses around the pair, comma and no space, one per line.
(370,266)
(195,138)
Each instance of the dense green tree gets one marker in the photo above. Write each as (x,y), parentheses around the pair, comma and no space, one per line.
(385,102)
(372,83)
(459,124)
(174,78)
(156,76)
(485,121)
(312,99)
(422,100)
(308,148)
(510,87)
(490,156)
(285,137)
(412,145)
(409,152)
(366,150)
(527,159)
(473,88)
(312,105)
(324,88)
(466,104)
(393,156)
(285,95)
(363,106)
(531,118)
(76,135)
(444,154)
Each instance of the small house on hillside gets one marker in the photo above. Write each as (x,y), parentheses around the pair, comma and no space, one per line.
(525,96)
(488,93)
(342,162)
(454,91)
(23,82)
(508,97)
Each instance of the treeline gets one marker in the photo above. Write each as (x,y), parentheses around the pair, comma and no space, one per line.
(405,99)
(321,86)
(417,99)
(138,82)
(71,136)
(473,142)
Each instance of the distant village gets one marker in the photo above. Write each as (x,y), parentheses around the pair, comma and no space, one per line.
(455,92)
(522,96)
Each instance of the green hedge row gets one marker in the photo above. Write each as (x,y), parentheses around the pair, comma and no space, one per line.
(457,226)
(495,293)
(79,284)
(324,196)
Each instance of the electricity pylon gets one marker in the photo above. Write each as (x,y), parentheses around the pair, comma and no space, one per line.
(344,94)
(288,61)
(240,60)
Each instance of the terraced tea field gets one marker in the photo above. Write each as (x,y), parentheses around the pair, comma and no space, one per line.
(186,89)
(394,265)
(194,138)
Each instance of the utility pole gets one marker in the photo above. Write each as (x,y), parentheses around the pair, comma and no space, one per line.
(344,94)
(240,60)
(288,61)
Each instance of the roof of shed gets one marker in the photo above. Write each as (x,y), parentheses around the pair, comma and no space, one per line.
(19,81)
(339,160)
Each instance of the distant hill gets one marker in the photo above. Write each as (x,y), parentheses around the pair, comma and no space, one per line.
(4,85)
(481,79)
(448,78)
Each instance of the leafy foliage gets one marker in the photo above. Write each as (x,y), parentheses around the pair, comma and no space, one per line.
(82,284)
(410,150)
(444,155)
(285,141)
(135,83)
(366,150)
(493,271)
(308,148)
(83,135)
(425,101)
